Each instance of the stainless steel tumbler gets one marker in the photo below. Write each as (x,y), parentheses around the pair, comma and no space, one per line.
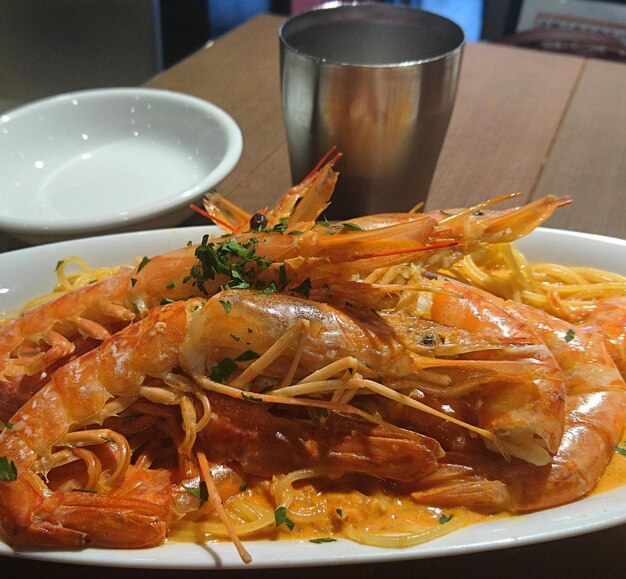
(377,81)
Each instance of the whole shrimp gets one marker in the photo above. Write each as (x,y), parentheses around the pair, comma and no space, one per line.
(594,418)
(448,319)
(609,317)
(41,338)
(175,357)
(284,251)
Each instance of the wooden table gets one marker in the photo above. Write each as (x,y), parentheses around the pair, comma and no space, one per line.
(524,121)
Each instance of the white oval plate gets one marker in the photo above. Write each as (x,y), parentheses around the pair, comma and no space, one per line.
(28,272)
(108,160)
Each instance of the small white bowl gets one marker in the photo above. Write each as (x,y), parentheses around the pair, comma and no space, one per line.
(110,160)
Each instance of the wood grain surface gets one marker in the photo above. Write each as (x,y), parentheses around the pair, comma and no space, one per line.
(524,121)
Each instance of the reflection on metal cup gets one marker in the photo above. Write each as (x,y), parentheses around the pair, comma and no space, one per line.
(377,81)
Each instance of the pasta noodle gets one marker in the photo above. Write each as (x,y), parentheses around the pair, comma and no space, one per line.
(565,292)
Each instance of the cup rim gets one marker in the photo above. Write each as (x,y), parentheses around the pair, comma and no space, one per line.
(369,6)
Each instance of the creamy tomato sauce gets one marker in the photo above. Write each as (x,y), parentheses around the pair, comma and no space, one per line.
(325,510)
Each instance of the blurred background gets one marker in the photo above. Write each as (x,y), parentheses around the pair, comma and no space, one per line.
(53,46)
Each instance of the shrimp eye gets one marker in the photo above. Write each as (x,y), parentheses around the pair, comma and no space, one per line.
(258,221)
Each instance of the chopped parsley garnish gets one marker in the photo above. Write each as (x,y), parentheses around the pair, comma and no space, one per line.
(443,519)
(8,425)
(171,284)
(281,226)
(351,226)
(270,289)
(570,335)
(59,264)
(200,492)
(223,370)
(247,355)
(238,262)
(133,281)
(144,261)
(304,288)
(251,397)
(320,540)
(243,487)
(226,305)
(280,516)
(8,470)
(621,449)
(339,512)
(236,338)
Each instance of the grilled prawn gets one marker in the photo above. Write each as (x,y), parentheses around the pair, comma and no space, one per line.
(67,438)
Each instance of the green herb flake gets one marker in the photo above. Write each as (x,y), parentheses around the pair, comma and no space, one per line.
(8,425)
(304,288)
(621,449)
(226,305)
(570,335)
(351,226)
(280,516)
(243,487)
(223,370)
(144,261)
(251,397)
(320,540)
(339,512)
(270,289)
(165,301)
(201,492)
(281,226)
(443,519)
(247,355)
(59,264)
(171,285)
(133,281)
(8,470)
(236,338)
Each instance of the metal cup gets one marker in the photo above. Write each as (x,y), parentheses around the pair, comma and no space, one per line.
(377,81)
